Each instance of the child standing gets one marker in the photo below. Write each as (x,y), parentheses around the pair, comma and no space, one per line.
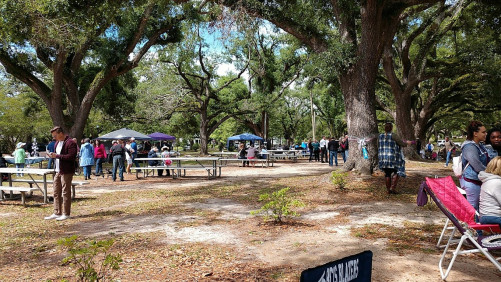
(20,157)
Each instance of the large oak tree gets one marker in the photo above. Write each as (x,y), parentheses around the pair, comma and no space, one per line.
(351,35)
(442,65)
(68,51)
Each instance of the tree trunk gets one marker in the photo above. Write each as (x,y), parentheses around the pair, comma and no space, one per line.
(403,120)
(313,122)
(204,136)
(358,84)
(358,92)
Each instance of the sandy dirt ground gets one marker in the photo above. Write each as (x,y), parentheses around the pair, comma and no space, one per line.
(323,235)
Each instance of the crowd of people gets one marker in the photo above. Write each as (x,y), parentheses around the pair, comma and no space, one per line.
(481,171)
(480,161)
(480,158)
(327,149)
(122,154)
(250,153)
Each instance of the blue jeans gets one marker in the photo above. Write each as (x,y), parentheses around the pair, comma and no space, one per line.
(86,171)
(51,162)
(19,168)
(118,162)
(345,155)
(490,219)
(332,155)
(448,158)
(99,166)
(136,163)
(472,192)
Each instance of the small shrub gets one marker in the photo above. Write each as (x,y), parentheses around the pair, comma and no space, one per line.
(278,205)
(84,255)
(195,147)
(339,179)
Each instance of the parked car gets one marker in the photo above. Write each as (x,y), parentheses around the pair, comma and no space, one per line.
(441,143)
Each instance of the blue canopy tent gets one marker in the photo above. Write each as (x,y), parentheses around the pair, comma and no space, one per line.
(124,133)
(243,137)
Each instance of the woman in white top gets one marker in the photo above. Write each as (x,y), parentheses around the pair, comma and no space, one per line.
(251,154)
(128,156)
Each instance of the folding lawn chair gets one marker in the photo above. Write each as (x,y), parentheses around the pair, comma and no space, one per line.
(461,214)
(450,228)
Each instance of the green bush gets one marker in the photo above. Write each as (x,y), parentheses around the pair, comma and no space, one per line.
(277,205)
(195,147)
(338,178)
(83,255)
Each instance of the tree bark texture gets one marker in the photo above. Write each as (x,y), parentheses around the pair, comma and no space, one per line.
(204,135)
(358,83)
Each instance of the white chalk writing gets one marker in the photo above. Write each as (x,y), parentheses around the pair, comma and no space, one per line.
(342,272)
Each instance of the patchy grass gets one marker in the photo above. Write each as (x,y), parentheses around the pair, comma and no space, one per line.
(28,248)
(410,238)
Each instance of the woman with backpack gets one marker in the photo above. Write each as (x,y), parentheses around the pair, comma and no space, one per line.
(474,159)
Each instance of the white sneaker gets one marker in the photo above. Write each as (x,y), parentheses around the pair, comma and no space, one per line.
(63,217)
(52,216)
(445,165)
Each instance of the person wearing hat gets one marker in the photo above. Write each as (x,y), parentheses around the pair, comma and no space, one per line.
(20,157)
(65,156)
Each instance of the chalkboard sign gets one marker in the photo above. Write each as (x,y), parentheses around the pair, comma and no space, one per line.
(353,268)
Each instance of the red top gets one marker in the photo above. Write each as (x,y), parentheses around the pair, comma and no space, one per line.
(99,152)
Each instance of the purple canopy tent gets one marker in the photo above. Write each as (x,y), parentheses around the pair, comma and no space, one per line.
(162,136)
(158,136)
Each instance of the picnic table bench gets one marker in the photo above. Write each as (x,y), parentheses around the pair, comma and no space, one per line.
(284,154)
(31,182)
(178,169)
(22,190)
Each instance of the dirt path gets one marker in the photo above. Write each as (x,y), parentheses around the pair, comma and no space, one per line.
(321,234)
